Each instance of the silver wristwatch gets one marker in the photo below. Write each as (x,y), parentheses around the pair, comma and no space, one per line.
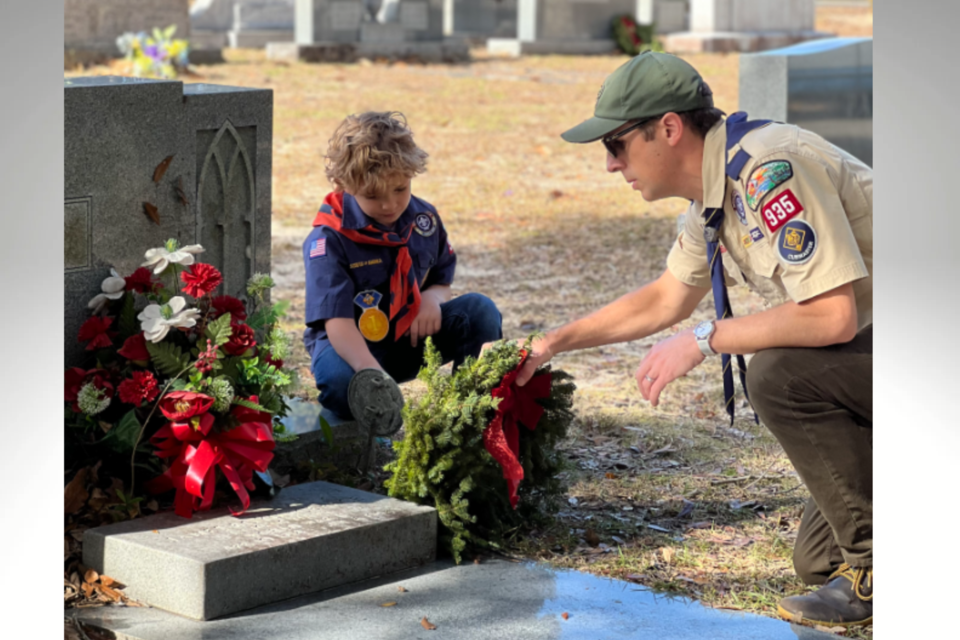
(702,333)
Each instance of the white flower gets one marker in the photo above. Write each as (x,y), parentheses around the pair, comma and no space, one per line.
(111,289)
(171,253)
(92,400)
(156,320)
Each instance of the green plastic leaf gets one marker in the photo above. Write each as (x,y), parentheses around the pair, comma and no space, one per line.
(168,358)
(122,437)
(127,320)
(327,431)
(250,405)
(219,331)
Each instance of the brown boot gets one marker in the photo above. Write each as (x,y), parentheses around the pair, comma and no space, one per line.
(845,600)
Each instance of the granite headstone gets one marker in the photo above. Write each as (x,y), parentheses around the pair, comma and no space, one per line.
(825,86)
(117,130)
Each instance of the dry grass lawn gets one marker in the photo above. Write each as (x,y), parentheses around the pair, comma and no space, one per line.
(669,497)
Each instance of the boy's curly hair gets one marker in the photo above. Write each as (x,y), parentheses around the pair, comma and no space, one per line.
(369,148)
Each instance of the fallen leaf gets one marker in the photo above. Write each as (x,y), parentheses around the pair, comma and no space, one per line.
(426,624)
(181,194)
(392,603)
(152,506)
(152,212)
(107,581)
(667,554)
(113,594)
(401,590)
(834,630)
(161,168)
(610,476)
(87,589)
(556,194)
(75,493)
(591,537)
(476,560)
(91,576)
(154,531)
(565,615)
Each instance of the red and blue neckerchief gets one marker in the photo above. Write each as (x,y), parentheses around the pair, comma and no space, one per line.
(404,288)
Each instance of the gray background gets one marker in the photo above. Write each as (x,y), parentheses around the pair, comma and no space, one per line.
(917,159)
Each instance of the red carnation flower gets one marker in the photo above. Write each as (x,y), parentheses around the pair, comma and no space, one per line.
(142,281)
(180,406)
(135,348)
(229,304)
(200,279)
(95,332)
(140,388)
(241,340)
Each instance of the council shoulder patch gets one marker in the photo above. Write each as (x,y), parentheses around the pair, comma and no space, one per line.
(737,202)
(798,242)
(425,224)
(764,178)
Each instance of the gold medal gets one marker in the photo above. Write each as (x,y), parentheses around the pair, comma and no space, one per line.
(373,323)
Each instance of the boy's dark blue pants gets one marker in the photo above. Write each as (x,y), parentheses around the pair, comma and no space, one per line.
(467,322)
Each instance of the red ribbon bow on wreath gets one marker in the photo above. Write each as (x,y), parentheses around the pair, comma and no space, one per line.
(198,452)
(518,405)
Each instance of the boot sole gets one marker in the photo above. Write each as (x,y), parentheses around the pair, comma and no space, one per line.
(789,617)
(375,401)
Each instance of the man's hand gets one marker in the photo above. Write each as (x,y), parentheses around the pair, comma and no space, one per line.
(540,354)
(668,360)
(428,318)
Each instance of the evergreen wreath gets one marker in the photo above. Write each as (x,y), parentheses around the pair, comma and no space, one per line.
(443,461)
(633,38)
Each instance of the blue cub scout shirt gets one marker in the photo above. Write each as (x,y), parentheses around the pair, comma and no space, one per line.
(338,268)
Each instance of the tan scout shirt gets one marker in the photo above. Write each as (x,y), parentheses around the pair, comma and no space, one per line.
(806,223)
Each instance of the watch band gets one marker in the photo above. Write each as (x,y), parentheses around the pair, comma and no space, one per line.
(704,343)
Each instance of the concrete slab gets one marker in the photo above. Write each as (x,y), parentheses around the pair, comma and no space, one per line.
(495,599)
(311,537)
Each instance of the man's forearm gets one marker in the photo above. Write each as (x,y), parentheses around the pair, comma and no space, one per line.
(346,340)
(828,319)
(636,315)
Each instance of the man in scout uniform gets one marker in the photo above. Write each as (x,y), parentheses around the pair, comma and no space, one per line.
(378,273)
(790,215)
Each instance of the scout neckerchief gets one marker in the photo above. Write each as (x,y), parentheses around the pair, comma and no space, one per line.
(737,127)
(404,289)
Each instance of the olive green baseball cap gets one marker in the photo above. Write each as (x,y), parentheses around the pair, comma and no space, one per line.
(650,84)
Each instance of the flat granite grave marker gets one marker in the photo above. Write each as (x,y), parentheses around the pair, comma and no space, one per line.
(310,537)
(117,130)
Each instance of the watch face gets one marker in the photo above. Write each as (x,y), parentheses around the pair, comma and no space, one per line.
(702,330)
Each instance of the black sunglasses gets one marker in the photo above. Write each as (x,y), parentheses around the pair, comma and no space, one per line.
(613,143)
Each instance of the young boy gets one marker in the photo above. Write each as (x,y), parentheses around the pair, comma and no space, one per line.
(378,274)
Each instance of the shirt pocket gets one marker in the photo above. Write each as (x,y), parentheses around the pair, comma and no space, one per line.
(424,262)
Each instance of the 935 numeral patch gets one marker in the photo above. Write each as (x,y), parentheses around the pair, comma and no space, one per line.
(778,211)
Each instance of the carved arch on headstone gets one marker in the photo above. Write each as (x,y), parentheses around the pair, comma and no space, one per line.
(226,207)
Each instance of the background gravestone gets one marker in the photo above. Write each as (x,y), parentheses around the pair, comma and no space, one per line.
(240,23)
(582,26)
(116,131)
(745,25)
(824,86)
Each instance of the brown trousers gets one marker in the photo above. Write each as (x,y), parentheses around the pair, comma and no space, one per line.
(819,405)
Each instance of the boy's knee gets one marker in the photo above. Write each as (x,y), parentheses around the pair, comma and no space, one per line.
(483,317)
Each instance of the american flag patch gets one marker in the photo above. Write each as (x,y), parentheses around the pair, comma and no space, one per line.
(318,248)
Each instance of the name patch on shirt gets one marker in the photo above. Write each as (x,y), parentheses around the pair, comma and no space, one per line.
(365,263)
(765,178)
(778,211)
(798,242)
(318,248)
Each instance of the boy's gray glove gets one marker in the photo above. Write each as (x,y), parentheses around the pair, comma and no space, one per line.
(375,401)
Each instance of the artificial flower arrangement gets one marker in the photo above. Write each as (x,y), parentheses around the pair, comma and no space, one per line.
(199,376)
(157,55)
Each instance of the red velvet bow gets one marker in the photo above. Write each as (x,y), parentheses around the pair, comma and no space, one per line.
(518,405)
(238,452)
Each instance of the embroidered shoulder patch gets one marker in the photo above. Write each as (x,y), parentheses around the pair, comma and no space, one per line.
(424,224)
(798,242)
(764,178)
(778,211)
(318,248)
